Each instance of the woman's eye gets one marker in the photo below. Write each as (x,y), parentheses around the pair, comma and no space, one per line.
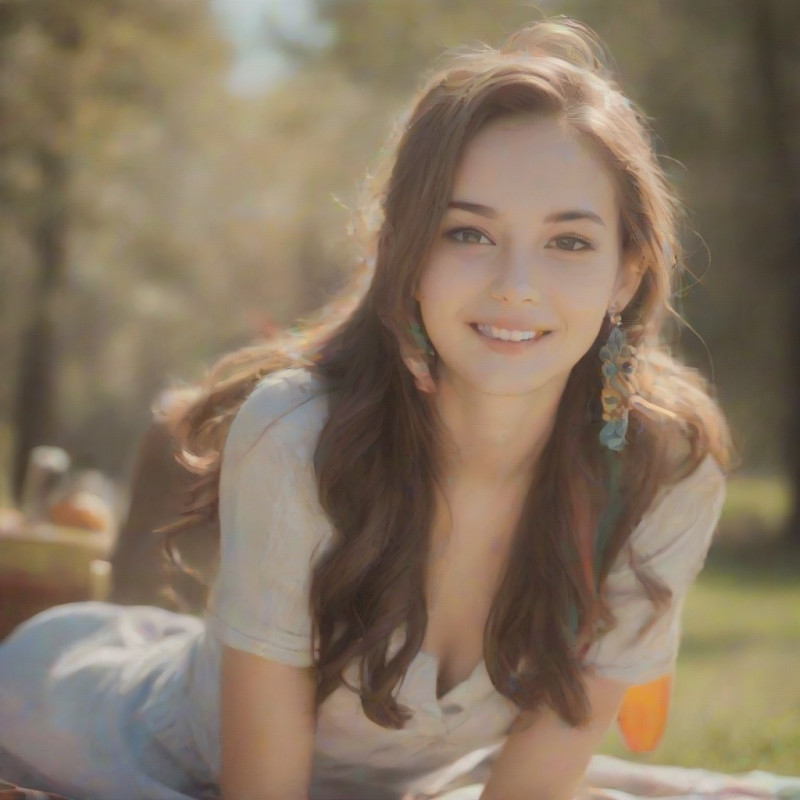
(572,243)
(468,236)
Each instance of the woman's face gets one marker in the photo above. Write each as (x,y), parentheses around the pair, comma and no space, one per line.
(527,261)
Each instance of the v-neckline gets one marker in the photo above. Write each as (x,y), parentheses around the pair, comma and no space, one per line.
(456,686)
(425,657)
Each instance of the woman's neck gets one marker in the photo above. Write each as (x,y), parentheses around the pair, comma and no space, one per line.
(494,439)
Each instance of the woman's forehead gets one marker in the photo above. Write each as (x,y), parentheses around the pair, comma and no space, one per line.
(538,160)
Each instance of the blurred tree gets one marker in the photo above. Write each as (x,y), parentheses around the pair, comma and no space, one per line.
(386,44)
(42,148)
(110,113)
(775,26)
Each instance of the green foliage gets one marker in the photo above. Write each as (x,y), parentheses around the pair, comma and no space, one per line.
(176,239)
(197,217)
(755,508)
(385,45)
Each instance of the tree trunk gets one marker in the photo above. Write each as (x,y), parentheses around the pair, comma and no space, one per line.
(35,403)
(35,400)
(776,40)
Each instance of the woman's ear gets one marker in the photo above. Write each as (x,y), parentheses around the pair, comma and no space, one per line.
(629,277)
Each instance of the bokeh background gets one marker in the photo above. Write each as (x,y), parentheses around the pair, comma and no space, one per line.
(177,178)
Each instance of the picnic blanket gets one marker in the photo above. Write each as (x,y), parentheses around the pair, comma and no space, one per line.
(621,780)
(615,779)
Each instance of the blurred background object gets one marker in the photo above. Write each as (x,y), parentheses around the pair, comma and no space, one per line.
(55,547)
(46,468)
(177,178)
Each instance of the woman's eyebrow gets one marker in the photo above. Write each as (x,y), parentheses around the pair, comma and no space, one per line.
(474,208)
(570,216)
(557,216)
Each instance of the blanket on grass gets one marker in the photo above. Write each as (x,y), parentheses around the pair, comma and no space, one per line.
(611,779)
(616,779)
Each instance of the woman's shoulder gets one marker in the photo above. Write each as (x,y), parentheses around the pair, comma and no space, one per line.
(706,482)
(701,489)
(287,407)
(677,529)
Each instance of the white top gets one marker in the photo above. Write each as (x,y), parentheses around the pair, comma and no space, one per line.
(273,529)
(107,702)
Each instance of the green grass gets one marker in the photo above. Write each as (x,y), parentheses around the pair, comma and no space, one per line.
(736,704)
(755,509)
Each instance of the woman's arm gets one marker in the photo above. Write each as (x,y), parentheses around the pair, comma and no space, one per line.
(543,757)
(272,529)
(267,728)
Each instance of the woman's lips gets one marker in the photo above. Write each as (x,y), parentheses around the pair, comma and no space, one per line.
(508,334)
(508,340)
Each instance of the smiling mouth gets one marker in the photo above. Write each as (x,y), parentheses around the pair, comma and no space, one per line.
(506,335)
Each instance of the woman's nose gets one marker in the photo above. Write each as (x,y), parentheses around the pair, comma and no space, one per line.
(515,282)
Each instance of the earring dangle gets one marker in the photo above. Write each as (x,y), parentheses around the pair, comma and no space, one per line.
(421,339)
(619,365)
(418,363)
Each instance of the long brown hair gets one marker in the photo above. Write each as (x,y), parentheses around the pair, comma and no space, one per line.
(377,448)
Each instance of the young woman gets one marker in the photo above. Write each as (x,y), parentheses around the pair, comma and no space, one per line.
(458,516)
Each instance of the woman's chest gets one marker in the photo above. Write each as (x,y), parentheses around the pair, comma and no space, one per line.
(469,552)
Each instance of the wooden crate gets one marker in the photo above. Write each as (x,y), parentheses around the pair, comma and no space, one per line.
(44,565)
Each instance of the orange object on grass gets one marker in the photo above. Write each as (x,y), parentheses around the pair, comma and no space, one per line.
(643,714)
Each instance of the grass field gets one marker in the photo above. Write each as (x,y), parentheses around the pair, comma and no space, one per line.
(736,704)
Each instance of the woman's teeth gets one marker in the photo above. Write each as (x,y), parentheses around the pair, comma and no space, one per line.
(506,335)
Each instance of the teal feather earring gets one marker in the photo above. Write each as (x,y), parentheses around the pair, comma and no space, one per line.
(421,339)
(619,365)
(417,362)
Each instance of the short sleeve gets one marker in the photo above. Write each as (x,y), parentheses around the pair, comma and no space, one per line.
(271,525)
(671,544)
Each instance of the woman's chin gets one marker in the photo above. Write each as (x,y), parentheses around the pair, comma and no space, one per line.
(503,383)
